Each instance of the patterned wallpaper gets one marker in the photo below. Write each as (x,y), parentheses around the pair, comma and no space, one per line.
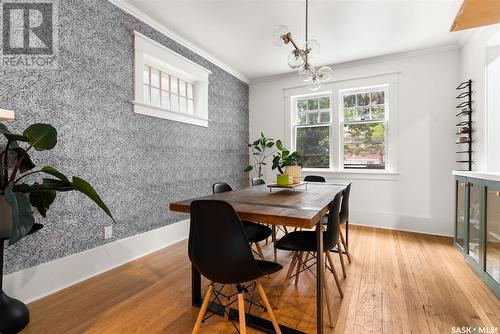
(137,163)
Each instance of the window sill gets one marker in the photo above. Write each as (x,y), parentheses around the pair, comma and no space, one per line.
(149,110)
(353,175)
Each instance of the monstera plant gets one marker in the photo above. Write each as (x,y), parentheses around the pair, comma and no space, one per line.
(21,195)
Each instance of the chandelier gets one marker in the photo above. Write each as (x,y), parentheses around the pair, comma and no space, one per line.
(299,59)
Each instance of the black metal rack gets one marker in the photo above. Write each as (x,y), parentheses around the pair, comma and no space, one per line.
(464,131)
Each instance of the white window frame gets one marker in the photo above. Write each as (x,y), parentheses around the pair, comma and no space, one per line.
(378,88)
(151,53)
(336,169)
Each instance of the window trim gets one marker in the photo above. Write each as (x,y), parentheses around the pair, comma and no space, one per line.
(151,53)
(390,79)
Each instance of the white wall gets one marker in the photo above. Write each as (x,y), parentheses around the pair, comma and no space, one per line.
(485,123)
(421,197)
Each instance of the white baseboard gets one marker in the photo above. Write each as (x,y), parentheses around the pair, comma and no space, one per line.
(442,226)
(34,283)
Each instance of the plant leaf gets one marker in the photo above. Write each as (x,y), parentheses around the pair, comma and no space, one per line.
(22,218)
(41,136)
(42,199)
(279,145)
(54,172)
(258,148)
(26,163)
(11,136)
(85,188)
(270,144)
(248,168)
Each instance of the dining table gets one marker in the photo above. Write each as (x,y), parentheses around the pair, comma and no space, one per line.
(301,207)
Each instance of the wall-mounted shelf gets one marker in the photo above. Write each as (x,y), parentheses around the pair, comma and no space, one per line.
(465,106)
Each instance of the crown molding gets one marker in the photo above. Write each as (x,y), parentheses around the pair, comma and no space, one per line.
(140,15)
(366,61)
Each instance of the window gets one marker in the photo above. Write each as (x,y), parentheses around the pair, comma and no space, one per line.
(364,128)
(167,85)
(312,131)
(345,128)
(167,91)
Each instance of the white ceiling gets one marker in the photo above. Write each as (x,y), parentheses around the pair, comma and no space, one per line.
(238,32)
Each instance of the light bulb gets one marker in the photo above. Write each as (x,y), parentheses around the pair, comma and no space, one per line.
(295,59)
(315,84)
(325,73)
(278,33)
(313,46)
(306,72)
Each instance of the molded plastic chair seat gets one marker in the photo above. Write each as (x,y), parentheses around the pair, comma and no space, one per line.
(256,232)
(268,267)
(299,241)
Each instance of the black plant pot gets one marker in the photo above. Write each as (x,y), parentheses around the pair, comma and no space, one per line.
(14,315)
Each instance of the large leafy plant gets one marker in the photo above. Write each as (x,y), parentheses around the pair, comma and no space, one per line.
(261,149)
(283,157)
(22,196)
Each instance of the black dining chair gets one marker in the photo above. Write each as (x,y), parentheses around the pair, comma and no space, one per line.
(255,232)
(257,181)
(302,242)
(219,249)
(344,220)
(314,178)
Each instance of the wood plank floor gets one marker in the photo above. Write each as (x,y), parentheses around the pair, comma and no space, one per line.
(398,282)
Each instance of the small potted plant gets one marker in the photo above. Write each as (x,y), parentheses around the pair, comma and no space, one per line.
(261,149)
(287,164)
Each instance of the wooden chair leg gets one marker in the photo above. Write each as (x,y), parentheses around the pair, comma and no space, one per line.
(286,230)
(241,312)
(259,250)
(287,279)
(203,309)
(326,291)
(335,276)
(345,246)
(341,256)
(299,267)
(263,296)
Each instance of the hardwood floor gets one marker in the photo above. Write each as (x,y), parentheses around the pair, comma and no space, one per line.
(398,282)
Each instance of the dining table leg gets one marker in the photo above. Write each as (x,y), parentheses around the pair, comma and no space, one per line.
(319,277)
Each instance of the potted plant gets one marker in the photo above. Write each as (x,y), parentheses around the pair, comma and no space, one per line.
(21,194)
(283,160)
(261,149)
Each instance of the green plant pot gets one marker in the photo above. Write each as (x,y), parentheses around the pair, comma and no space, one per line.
(282,179)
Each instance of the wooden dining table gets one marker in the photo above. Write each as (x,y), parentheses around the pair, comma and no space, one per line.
(302,207)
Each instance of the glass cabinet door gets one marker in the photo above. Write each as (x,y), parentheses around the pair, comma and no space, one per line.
(474,248)
(492,253)
(460,214)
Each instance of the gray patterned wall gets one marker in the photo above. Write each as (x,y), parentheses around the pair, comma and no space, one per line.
(137,163)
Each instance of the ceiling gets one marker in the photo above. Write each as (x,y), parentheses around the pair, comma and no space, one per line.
(239,32)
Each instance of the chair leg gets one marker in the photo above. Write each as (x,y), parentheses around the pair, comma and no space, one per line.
(241,312)
(269,309)
(326,291)
(273,237)
(286,230)
(287,279)
(299,267)
(341,256)
(335,276)
(259,250)
(203,309)
(344,244)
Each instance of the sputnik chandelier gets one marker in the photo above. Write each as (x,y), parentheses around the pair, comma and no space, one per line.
(299,58)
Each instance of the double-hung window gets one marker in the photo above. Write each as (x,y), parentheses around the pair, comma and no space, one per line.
(346,127)
(312,130)
(364,123)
